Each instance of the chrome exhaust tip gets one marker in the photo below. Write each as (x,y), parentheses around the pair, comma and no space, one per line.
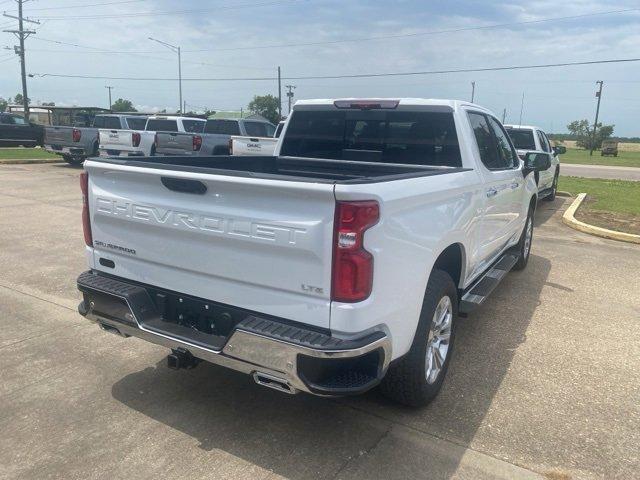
(276,383)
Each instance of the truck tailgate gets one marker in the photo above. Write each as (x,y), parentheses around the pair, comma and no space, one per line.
(58,135)
(259,244)
(172,143)
(115,139)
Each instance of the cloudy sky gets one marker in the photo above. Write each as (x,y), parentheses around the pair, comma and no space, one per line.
(250,38)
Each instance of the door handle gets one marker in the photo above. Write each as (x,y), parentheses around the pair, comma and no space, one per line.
(492,192)
(514,185)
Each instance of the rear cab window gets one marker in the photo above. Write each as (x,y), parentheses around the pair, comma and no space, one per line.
(522,138)
(193,126)
(112,123)
(259,129)
(161,125)
(377,135)
(223,127)
(136,123)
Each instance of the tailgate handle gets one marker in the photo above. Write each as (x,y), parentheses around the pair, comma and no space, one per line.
(183,185)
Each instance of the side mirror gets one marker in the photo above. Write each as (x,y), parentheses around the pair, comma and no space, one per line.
(560,149)
(537,161)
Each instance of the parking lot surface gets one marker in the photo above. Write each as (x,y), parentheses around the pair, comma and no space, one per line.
(545,380)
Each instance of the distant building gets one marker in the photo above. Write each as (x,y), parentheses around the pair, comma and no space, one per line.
(66,116)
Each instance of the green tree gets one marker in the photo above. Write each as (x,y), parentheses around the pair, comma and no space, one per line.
(3,104)
(18,99)
(267,106)
(122,105)
(48,104)
(583,134)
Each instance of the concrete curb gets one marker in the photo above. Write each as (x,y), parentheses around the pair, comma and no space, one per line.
(23,161)
(569,219)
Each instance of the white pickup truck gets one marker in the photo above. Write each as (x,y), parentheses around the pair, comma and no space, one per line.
(338,264)
(258,145)
(141,140)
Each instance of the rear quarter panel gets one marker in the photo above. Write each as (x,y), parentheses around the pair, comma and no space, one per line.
(419,218)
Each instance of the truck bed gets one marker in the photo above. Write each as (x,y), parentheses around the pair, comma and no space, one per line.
(288,168)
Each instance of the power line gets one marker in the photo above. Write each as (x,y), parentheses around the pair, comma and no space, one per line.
(359,75)
(169,12)
(83,5)
(417,34)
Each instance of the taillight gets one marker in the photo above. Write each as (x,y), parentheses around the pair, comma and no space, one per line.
(231,146)
(367,104)
(197,142)
(86,223)
(135,138)
(76,134)
(352,274)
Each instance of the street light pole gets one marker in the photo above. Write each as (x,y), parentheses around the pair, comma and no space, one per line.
(175,49)
(109,88)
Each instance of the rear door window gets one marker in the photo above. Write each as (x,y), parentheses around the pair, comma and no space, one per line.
(193,126)
(544,143)
(417,138)
(161,125)
(486,141)
(506,154)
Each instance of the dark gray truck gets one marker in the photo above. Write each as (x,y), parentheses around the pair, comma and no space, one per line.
(214,140)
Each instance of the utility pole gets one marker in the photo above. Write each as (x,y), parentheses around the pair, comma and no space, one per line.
(109,88)
(290,95)
(521,109)
(473,91)
(176,49)
(504,115)
(22,35)
(279,95)
(595,124)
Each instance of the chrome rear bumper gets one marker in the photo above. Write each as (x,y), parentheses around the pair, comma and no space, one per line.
(277,354)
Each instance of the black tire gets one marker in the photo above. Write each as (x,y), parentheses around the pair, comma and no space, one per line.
(406,380)
(554,189)
(75,161)
(523,250)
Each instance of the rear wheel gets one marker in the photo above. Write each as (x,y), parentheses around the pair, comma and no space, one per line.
(524,245)
(417,377)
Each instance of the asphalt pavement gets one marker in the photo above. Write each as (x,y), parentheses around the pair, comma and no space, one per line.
(600,171)
(544,382)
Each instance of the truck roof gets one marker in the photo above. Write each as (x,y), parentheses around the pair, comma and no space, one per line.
(522,127)
(454,104)
(173,117)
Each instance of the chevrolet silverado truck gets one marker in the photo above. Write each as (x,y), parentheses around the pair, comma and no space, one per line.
(215,139)
(75,144)
(338,264)
(529,138)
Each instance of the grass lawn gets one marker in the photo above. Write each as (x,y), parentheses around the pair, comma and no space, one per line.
(612,204)
(25,153)
(624,159)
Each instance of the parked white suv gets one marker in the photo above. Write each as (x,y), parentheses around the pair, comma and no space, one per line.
(531,139)
(336,265)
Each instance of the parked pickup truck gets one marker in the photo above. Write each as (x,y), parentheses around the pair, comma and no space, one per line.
(130,141)
(75,144)
(252,146)
(339,263)
(214,140)
(529,138)
(15,131)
